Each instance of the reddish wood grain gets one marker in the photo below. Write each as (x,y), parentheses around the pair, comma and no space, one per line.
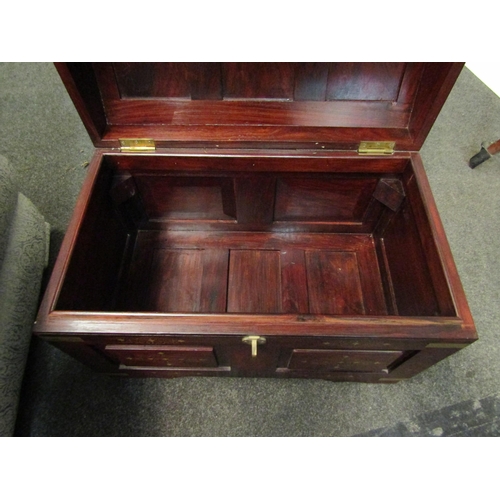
(342,360)
(334,284)
(295,298)
(254,282)
(365,81)
(172,258)
(288,101)
(162,355)
(255,196)
(176,197)
(178,280)
(323,198)
(176,284)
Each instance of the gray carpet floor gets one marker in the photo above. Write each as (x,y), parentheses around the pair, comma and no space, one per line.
(43,138)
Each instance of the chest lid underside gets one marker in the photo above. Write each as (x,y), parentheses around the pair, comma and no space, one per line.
(264,105)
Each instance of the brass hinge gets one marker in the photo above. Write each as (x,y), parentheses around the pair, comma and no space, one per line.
(137,145)
(376,148)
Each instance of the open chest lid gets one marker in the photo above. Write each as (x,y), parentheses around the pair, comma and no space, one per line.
(265,105)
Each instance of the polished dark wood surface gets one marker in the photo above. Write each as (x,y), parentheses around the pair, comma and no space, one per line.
(179,271)
(245,224)
(299,267)
(282,81)
(330,105)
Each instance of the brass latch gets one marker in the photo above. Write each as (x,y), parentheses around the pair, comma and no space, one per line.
(137,145)
(377,148)
(253,340)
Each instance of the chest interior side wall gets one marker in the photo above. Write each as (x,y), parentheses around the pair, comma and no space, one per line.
(256,235)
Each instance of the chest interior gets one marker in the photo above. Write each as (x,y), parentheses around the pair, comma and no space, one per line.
(262,234)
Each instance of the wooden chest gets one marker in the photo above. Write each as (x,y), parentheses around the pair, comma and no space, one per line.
(257,219)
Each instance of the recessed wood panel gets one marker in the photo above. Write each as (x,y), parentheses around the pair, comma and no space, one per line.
(186,280)
(302,104)
(258,80)
(301,81)
(294,281)
(258,273)
(255,199)
(407,264)
(310,81)
(342,360)
(169,80)
(176,278)
(163,355)
(254,282)
(371,81)
(90,282)
(334,284)
(174,198)
(323,198)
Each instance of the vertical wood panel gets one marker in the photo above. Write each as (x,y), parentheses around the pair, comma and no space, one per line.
(371,281)
(153,79)
(443,295)
(434,87)
(188,281)
(90,281)
(213,292)
(258,80)
(409,84)
(84,89)
(176,281)
(365,81)
(385,274)
(134,79)
(255,199)
(228,197)
(205,81)
(334,284)
(294,282)
(169,80)
(178,197)
(323,198)
(310,81)
(408,267)
(254,282)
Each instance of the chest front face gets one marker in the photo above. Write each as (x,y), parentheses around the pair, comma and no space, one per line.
(257,219)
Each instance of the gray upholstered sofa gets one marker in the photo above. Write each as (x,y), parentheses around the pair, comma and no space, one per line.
(24,237)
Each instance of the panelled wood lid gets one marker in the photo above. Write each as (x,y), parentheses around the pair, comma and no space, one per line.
(275,105)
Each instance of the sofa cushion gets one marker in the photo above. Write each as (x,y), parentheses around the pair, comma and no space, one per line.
(20,280)
(8,200)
